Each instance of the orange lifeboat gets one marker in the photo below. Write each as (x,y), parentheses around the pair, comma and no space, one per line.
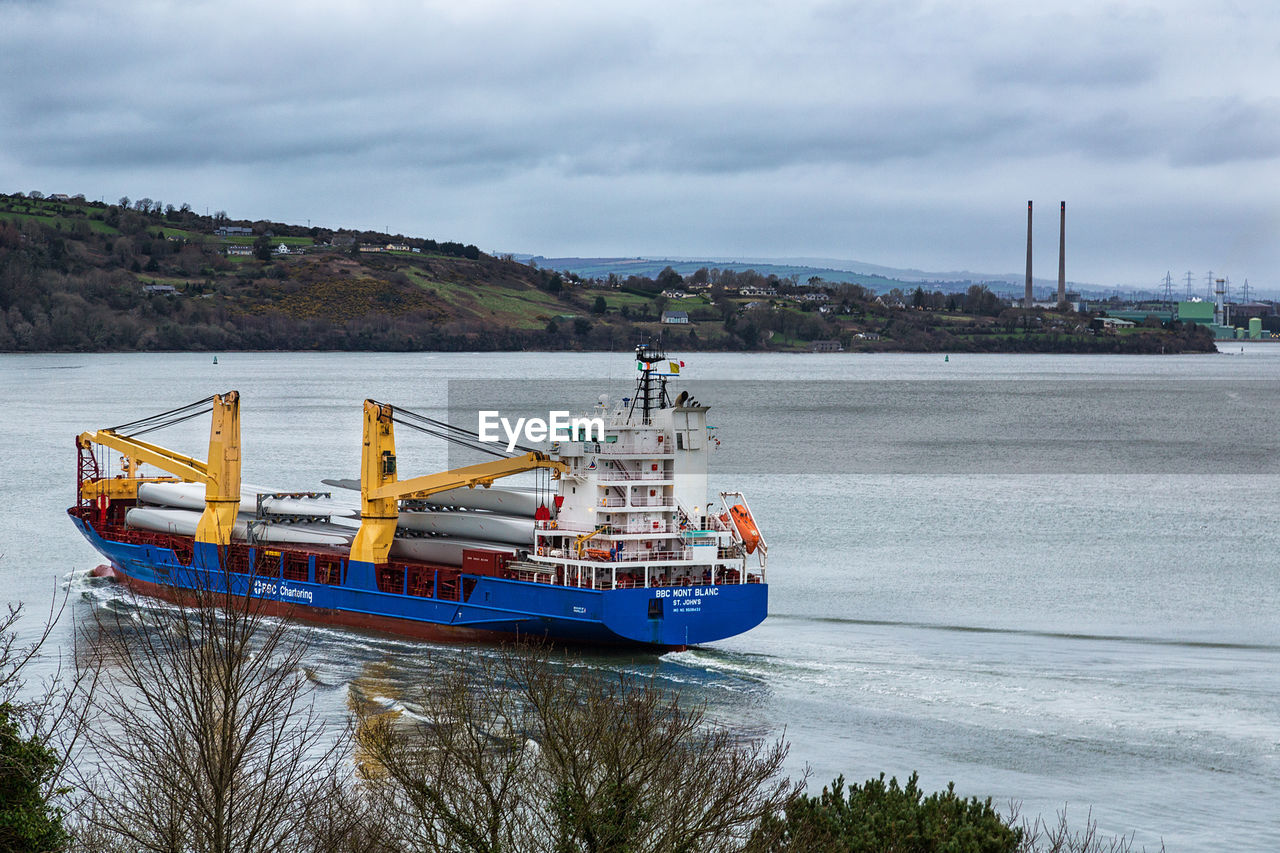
(746,527)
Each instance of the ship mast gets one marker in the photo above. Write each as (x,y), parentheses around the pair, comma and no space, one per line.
(651,387)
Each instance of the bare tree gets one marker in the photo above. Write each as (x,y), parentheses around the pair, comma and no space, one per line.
(207,738)
(1056,836)
(518,754)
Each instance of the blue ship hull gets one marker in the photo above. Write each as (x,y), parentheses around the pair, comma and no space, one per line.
(484,607)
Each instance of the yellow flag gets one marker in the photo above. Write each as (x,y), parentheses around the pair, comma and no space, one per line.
(674,366)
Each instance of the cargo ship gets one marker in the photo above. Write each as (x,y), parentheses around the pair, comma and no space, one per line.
(620,544)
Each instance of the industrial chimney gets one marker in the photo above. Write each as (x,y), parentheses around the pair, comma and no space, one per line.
(1027,304)
(1062,255)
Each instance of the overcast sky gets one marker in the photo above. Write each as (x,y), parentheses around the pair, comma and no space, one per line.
(900,133)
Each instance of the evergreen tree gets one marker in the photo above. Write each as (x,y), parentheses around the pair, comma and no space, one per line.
(27,820)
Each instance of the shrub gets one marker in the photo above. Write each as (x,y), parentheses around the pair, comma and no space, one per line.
(28,821)
(888,817)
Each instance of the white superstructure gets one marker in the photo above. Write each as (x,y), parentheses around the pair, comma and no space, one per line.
(634,508)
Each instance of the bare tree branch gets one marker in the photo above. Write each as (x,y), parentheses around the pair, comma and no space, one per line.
(206,736)
(517,754)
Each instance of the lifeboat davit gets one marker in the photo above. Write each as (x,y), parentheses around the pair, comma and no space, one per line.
(746,527)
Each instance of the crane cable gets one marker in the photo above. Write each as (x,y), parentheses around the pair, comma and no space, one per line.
(447,431)
(463,438)
(151,423)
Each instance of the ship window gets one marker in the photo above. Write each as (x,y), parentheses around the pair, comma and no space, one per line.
(679,441)
(655,608)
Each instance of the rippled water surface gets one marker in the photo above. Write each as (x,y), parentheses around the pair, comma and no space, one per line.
(1048,578)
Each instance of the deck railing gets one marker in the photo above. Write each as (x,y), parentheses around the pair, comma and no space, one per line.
(618,475)
(643,502)
(653,502)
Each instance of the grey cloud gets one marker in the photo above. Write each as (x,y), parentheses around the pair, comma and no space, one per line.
(1112,63)
(1226,129)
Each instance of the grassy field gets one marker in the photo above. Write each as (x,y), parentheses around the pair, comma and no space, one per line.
(249,241)
(59,222)
(520,308)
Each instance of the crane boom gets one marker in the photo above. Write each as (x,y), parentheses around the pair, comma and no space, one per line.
(220,474)
(186,468)
(381,492)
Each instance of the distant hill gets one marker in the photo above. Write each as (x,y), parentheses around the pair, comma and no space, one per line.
(650,267)
(882,279)
(831,270)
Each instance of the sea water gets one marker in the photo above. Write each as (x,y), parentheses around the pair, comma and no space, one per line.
(1049,579)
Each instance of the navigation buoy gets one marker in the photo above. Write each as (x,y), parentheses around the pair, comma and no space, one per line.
(215,359)
(946,357)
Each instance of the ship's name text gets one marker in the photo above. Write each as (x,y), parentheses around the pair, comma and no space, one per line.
(558,426)
(683,596)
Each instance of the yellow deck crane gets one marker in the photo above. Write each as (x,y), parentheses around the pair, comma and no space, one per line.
(221,474)
(381,492)
(580,542)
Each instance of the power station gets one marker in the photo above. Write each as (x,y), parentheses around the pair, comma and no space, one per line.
(1217,311)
